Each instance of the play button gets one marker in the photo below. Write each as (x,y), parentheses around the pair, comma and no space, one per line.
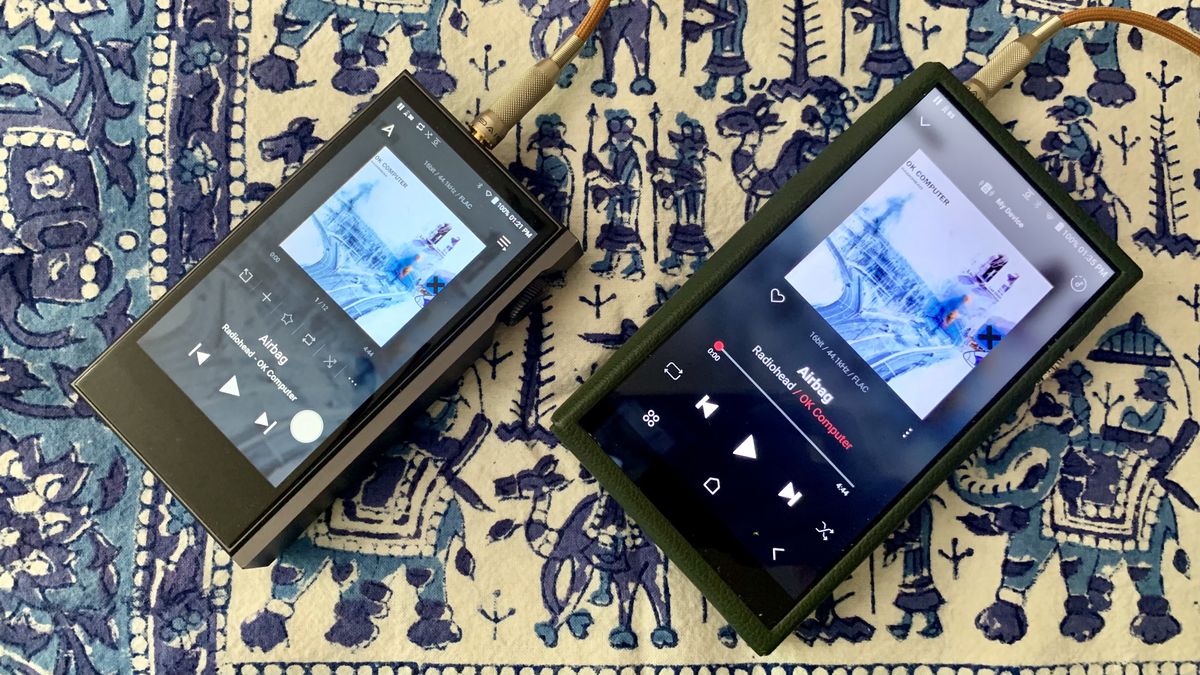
(231,387)
(746,449)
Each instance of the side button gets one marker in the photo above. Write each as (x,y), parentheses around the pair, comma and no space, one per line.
(1054,367)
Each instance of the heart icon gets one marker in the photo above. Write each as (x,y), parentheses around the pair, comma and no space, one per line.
(777,296)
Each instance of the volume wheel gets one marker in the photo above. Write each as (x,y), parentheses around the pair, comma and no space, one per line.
(520,307)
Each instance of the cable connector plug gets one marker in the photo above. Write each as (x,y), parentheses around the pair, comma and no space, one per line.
(493,124)
(1010,60)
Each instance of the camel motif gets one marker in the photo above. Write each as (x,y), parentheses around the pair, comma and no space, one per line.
(596,545)
(750,124)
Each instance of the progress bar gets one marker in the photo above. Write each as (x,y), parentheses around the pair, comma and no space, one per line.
(720,346)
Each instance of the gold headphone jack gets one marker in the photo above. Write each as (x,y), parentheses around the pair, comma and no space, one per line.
(493,124)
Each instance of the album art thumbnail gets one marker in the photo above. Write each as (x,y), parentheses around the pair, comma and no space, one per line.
(919,283)
(383,246)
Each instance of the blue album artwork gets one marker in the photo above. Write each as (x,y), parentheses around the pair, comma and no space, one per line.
(919,283)
(383,246)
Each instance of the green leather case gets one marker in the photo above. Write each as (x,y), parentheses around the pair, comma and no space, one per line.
(775,215)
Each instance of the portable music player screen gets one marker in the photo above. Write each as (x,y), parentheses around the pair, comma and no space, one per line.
(336,290)
(871,331)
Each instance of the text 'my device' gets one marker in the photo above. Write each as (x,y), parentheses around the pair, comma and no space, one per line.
(894,302)
(362,287)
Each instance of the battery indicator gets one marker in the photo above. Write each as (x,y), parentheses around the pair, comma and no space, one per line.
(1059,227)
(495,200)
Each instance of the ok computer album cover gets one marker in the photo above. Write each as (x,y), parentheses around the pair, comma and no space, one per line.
(383,246)
(919,283)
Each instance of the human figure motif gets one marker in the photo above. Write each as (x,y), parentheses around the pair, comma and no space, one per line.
(728,56)
(616,188)
(551,179)
(1072,158)
(917,596)
(682,185)
(886,59)
(363,37)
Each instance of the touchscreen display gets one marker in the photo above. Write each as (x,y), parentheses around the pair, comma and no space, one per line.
(869,333)
(336,290)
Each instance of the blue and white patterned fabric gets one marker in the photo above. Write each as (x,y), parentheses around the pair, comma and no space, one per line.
(134,136)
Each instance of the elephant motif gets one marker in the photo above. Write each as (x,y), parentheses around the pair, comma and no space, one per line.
(1098,495)
(596,545)
(363,27)
(552,20)
(406,514)
(49,216)
(627,22)
(988,22)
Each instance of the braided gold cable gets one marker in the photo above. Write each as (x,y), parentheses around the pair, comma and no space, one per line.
(1181,36)
(1014,56)
(592,19)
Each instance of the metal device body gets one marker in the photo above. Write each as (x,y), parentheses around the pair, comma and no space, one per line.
(250,518)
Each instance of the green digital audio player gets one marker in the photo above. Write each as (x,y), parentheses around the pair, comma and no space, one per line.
(826,369)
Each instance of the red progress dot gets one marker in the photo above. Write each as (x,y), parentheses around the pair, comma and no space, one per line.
(719,346)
